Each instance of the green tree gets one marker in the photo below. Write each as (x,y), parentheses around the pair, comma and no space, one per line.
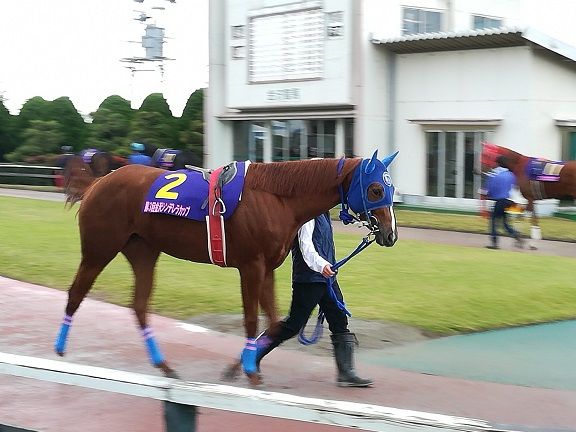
(40,138)
(7,138)
(108,131)
(117,104)
(111,125)
(36,108)
(162,129)
(72,125)
(191,123)
(155,102)
(151,128)
(194,109)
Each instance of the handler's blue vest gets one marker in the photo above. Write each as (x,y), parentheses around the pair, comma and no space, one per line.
(323,240)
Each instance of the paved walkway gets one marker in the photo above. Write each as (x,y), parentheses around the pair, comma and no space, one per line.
(535,356)
(106,335)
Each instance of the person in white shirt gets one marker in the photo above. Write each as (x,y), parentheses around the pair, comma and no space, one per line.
(313,254)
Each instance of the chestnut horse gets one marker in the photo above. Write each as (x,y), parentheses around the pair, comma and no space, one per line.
(562,186)
(277,199)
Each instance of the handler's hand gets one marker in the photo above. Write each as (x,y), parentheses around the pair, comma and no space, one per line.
(327,271)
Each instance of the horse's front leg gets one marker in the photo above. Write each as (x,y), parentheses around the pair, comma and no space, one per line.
(535,232)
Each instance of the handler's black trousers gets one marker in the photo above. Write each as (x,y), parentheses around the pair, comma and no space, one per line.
(499,212)
(305,297)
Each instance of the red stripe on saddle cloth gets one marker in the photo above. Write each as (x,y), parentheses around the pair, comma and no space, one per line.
(215,222)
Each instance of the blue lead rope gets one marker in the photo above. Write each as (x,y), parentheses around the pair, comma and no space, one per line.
(318,330)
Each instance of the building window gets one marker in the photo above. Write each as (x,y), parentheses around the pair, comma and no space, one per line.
(286,46)
(238,32)
(349,138)
(238,52)
(453,163)
(335,25)
(290,139)
(249,141)
(321,138)
(416,21)
(481,22)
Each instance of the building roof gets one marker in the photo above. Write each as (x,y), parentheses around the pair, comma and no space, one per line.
(475,39)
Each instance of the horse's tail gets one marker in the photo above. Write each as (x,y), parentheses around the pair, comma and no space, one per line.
(78,178)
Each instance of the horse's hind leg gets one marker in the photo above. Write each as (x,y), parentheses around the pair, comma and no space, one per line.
(143,259)
(535,232)
(87,273)
(257,287)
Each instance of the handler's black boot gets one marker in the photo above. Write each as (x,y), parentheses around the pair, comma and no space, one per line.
(343,344)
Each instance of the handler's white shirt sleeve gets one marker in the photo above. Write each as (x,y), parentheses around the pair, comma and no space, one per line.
(311,257)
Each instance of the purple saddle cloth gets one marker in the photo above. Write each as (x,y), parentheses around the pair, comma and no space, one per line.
(544,170)
(88,154)
(184,193)
(164,158)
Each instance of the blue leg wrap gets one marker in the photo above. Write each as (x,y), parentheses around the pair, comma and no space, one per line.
(248,357)
(62,338)
(60,344)
(154,353)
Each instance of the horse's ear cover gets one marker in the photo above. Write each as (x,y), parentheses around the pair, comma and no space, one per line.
(388,159)
(370,166)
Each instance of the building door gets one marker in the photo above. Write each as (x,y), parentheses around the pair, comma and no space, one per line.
(572,145)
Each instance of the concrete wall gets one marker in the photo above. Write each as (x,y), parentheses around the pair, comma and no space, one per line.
(459,85)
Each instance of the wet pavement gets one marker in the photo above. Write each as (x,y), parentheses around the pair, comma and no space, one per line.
(106,335)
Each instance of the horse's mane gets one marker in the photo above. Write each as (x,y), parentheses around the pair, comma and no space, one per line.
(294,177)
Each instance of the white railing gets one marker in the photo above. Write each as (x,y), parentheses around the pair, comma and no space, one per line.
(29,174)
(184,394)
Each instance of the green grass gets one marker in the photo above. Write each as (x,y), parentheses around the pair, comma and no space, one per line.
(553,228)
(438,288)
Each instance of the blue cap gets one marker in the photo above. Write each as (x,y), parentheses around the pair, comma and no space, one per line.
(137,146)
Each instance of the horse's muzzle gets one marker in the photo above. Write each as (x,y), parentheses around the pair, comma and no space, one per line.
(386,238)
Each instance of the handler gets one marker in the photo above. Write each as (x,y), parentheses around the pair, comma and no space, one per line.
(499,185)
(313,253)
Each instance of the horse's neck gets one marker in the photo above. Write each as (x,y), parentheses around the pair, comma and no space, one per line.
(308,189)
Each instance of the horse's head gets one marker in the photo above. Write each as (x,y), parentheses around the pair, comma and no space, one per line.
(371,195)
(491,152)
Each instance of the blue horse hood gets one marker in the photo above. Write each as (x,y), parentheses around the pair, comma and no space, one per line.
(368,172)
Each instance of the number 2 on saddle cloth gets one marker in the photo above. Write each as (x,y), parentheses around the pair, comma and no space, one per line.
(200,195)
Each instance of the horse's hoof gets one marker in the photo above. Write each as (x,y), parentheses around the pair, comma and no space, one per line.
(232,372)
(255,380)
(168,371)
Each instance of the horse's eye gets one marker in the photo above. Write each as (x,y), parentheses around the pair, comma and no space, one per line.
(375,192)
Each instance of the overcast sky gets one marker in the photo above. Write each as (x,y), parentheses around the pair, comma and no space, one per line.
(54,48)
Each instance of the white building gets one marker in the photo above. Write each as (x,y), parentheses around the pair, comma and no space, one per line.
(431,78)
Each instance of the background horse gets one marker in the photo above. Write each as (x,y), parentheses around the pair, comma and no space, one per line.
(277,199)
(79,170)
(562,187)
(172,159)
